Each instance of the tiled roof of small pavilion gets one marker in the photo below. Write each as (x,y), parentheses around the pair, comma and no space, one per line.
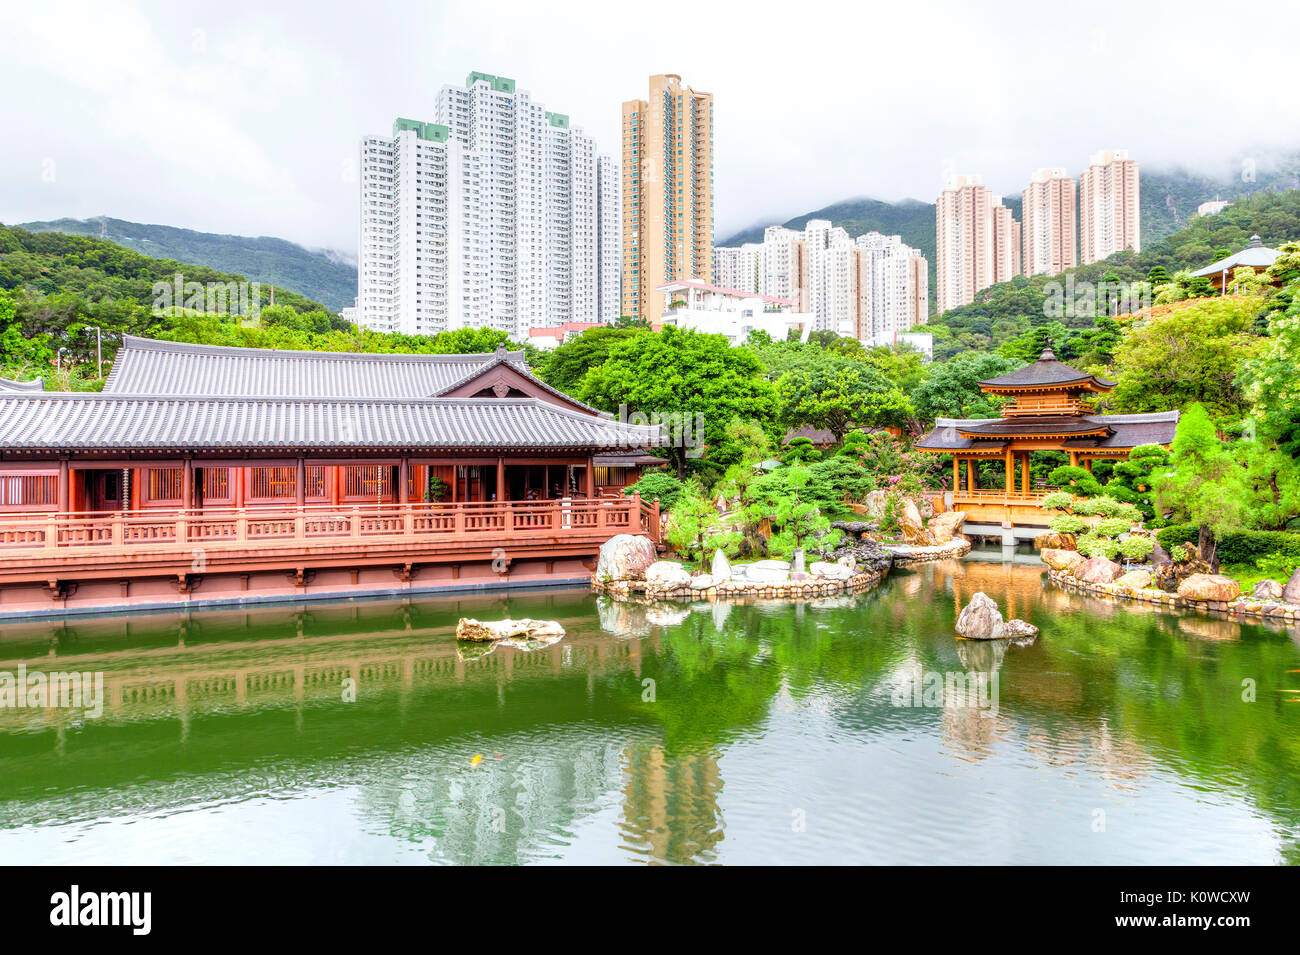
(144,366)
(1047,372)
(66,421)
(22,387)
(992,434)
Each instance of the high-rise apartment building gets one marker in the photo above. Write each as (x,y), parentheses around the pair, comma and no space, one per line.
(738,268)
(1110,214)
(667,192)
(977,241)
(1047,222)
(491,216)
(869,287)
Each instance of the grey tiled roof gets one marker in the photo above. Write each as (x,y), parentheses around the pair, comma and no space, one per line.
(147,367)
(1045,371)
(1128,431)
(1256,255)
(64,421)
(8,384)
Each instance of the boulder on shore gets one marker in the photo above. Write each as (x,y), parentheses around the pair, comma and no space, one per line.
(1097,570)
(1061,559)
(666,575)
(912,527)
(1209,587)
(625,557)
(490,631)
(721,569)
(768,571)
(1291,592)
(853,528)
(947,525)
(1054,541)
(1134,580)
(1267,590)
(820,568)
(981,620)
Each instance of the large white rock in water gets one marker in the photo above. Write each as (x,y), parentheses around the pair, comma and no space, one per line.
(820,568)
(721,569)
(768,572)
(980,619)
(488,631)
(625,557)
(666,575)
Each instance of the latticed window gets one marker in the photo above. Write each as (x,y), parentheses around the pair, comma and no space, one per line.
(216,483)
(164,484)
(368,480)
(31,490)
(273,483)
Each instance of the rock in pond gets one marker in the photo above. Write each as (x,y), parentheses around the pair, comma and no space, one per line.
(1209,587)
(981,620)
(911,526)
(490,631)
(666,575)
(625,557)
(702,582)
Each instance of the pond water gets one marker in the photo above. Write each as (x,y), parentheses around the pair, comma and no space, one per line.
(852,730)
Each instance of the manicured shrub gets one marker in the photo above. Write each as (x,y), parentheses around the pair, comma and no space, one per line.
(1235,547)
(1093,545)
(1278,566)
(1113,526)
(1137,547)
(1079,481)
(1058,500)
(1067,524)
(658,484)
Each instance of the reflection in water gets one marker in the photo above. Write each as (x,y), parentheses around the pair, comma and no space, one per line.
(754,732)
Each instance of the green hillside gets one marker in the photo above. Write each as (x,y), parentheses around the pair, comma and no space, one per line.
(314,274)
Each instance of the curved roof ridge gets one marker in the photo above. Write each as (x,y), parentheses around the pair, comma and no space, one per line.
(241,351)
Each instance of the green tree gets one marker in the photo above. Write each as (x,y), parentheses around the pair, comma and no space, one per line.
(952,390)
(1206,486)
(694,378)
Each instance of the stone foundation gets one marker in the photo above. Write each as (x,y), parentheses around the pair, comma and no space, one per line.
(1243,606)
(742,589)
(907,555)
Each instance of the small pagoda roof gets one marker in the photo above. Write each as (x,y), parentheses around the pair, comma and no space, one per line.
(1256,255)
(1046,373)
(1116,432)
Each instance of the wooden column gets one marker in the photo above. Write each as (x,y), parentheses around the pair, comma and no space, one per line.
(1087,465)
(455,472)
(300,482)
(591,477)
(1010,484)
(501,479)
(970,475)
(333,472)
(403,479)
(65,490)
(187,484)
(956,474)
(237,476)
(1024,474)
(1074,459)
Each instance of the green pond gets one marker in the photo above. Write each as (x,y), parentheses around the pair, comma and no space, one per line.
(848,730)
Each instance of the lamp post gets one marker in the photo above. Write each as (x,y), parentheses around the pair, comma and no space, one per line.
(58,359)
(99,348)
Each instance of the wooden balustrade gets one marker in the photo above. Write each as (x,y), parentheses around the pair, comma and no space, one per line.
(135,532)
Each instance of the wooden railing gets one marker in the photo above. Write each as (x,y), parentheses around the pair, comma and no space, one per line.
(129,532)
(999,496)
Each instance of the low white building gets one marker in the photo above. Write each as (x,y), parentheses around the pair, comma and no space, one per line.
(714,310)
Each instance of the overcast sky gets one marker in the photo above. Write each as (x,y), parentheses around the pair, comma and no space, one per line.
(245,117)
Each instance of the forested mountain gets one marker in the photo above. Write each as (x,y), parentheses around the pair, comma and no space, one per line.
(317,274)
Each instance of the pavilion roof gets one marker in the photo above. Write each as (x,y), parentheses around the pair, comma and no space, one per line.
(9,384)
(80,421)
(1047,372)
(144,366)
(990,434)
(1256,255)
